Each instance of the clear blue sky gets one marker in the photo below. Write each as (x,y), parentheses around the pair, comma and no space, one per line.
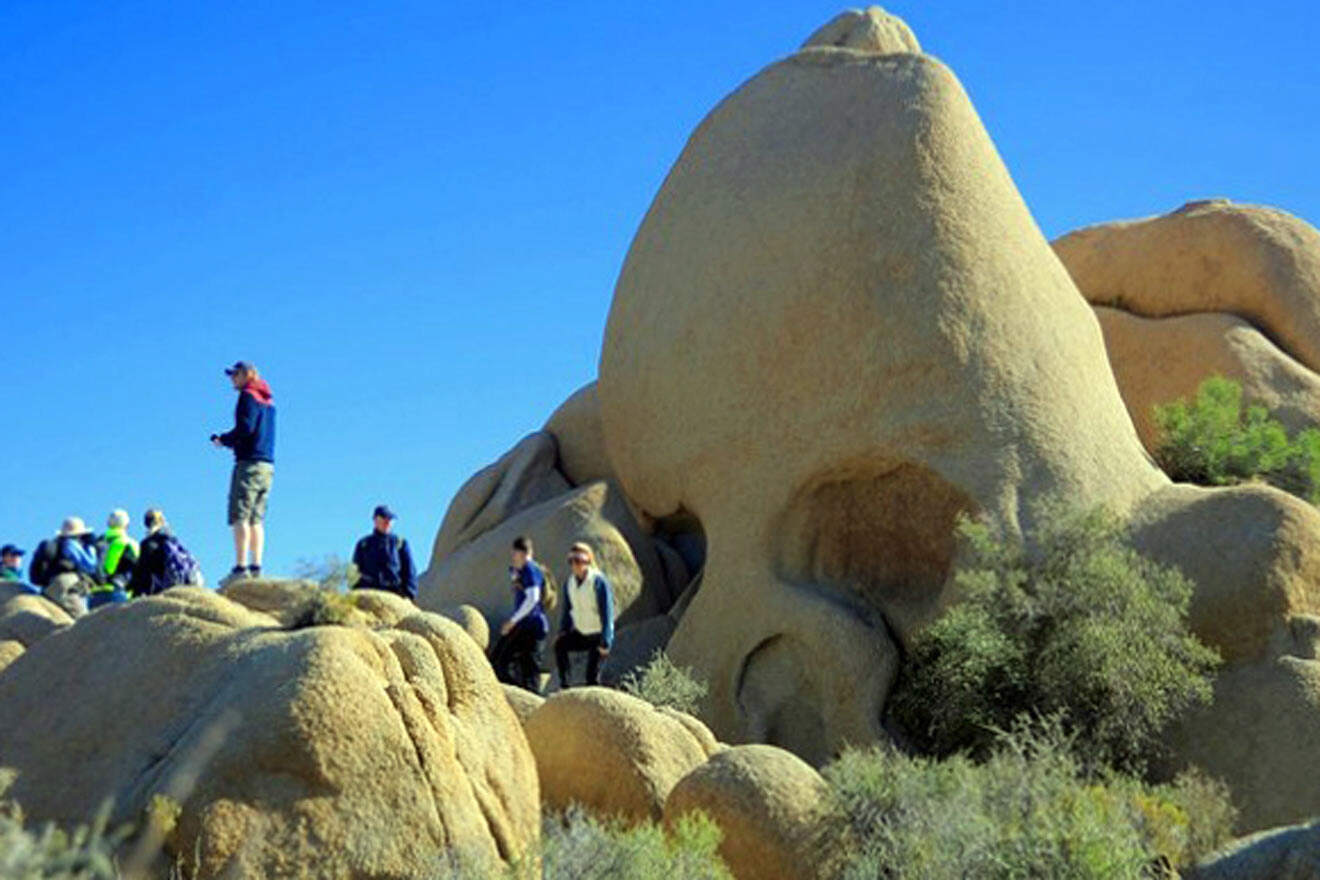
(411,215)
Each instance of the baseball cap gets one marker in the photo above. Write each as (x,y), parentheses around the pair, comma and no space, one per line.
(238,367)
(11,550)
(383,510)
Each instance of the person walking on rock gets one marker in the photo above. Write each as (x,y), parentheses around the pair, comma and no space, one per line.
(118,559)
(65,566)
(253,441)
(516,655)
(11,568)
(588,618)
(383,559)
(164,562)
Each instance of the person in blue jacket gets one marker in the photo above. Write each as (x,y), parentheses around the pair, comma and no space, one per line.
(516,656)
(383,560)
(588,617)
(253,441)
(11,568)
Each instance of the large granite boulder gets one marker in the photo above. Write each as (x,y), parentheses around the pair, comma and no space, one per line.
(325,751)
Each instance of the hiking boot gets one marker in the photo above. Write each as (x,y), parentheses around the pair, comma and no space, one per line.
(254,571)
(238,573)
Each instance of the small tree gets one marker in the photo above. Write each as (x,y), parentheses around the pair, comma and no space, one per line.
(1082,627)
(330,572)
(1214,440)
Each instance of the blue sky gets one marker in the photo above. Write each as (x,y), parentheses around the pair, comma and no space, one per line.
(411,215)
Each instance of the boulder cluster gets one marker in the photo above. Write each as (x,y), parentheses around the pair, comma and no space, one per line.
(837,330)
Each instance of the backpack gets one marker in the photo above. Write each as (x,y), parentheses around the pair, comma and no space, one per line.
(42,570)
(549,592)
(180,568)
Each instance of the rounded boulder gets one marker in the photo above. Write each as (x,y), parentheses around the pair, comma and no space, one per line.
(616,755)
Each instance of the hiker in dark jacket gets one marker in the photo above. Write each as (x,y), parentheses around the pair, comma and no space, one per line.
(66,566)
(588,619)
(383,560)
(253,442)
(516,655)
(163,561)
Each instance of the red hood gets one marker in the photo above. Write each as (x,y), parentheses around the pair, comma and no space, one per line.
(259,389)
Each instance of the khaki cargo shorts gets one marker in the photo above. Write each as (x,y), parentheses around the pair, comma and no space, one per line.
(248,490)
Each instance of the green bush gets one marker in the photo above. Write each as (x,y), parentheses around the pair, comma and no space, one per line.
(1026,811)
(662,683)
(574,846)
(1213,440)
(87,853)
(1081,626)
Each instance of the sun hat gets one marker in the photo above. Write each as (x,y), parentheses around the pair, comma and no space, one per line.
(74,527)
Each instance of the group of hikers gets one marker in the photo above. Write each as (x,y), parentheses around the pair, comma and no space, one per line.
(81,571)
(586,623)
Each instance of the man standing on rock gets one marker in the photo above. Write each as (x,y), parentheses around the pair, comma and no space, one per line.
(383,560)
(517,654)
(253,442)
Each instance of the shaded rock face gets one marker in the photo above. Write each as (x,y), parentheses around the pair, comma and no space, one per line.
(876,338)
(1159,360)
(1279,854)
(292,752)
(1214,287)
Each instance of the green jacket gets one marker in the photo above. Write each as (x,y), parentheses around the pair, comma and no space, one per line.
(121,554)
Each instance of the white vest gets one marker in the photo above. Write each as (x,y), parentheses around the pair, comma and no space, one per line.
(582,602)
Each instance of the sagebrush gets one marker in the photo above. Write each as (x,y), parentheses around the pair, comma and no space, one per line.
(1214,440)
(1027,810)
(663,683)
(1079,625)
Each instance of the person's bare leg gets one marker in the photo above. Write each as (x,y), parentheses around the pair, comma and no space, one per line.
(242,540)
(258,542)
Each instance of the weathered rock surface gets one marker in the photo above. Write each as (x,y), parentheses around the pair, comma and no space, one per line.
(1159,360)
(1253,553)
(292,752)
(522,702)
(1258,263)
(1291,853)
(614,754)
(1259,736)
(770,805)
(596,513)
(524,477)
(870,30)
(27,619)
(577,431)
(10,650)
(875,338)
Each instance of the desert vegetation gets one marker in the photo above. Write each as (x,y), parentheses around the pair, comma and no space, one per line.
(662,683)
(1078,626)
(1216,440)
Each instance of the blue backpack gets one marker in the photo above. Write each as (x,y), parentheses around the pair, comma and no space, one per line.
(180,568)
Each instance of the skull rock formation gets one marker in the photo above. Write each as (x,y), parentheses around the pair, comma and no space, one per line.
(837,328)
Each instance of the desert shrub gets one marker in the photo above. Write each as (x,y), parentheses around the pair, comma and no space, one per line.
(578,847)
(1215,441)
(575,846)
(325,607)
(86,853)
(1081,626)
(1027,810)
(330,572)
(662,683)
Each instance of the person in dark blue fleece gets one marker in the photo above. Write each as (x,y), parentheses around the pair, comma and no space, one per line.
(253,442)
(516,655)
(383,560)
